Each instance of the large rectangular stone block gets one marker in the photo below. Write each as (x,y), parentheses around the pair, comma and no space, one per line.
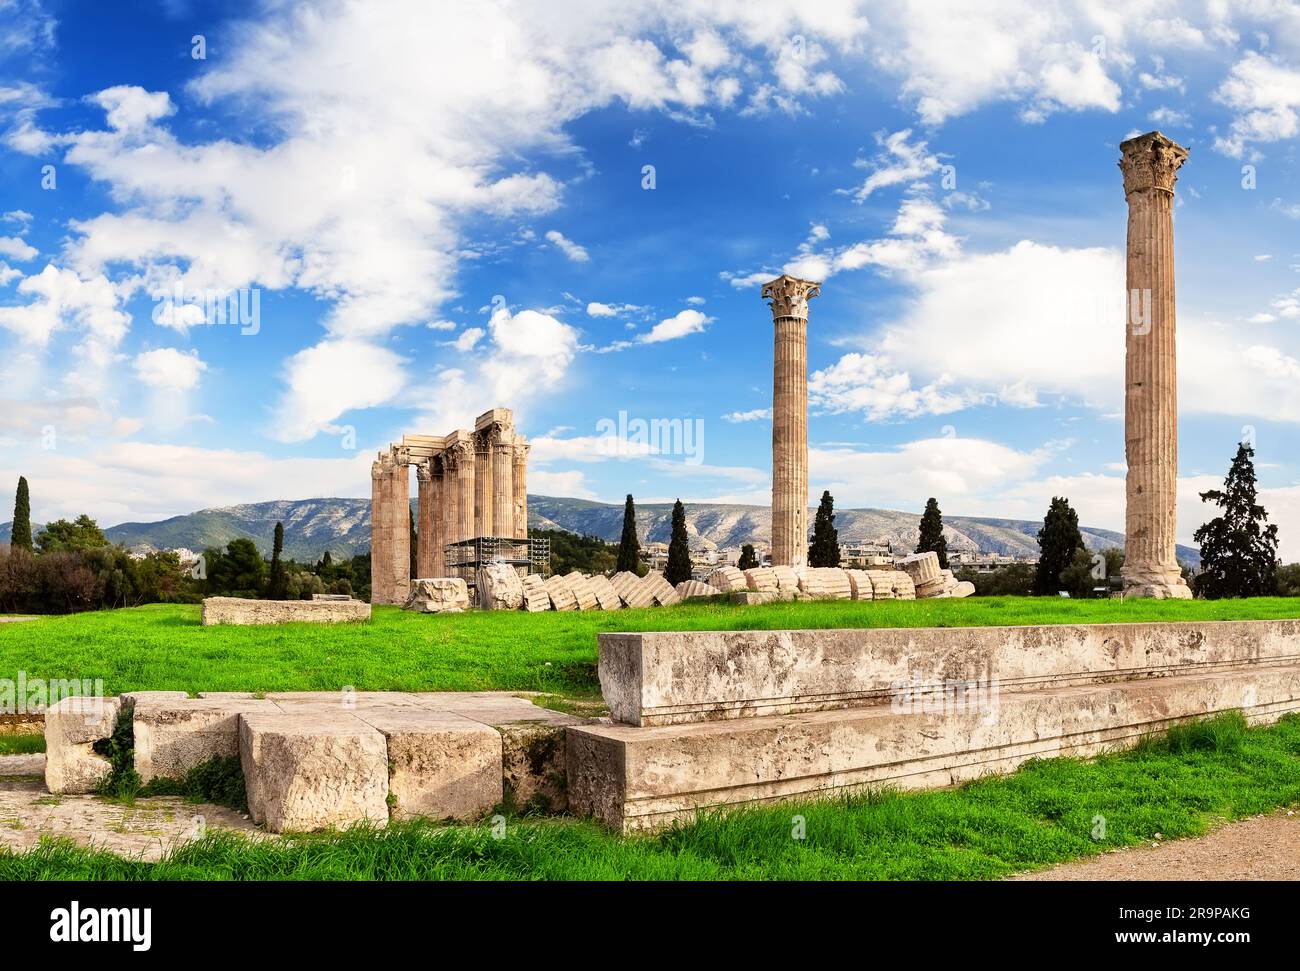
(683,676)
(643,778)
(72,727)
(313,770)
(440,765)
(173,736)
(237,610)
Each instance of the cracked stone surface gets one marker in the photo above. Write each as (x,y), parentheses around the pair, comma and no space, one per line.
(144,830)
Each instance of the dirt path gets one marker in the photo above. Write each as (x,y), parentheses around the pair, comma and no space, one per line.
(27,812)
(1261,848)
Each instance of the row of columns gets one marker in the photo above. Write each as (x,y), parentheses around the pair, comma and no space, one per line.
(477,485)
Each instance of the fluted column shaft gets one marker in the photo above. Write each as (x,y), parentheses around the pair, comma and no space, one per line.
(519,487)
(390,538)
(789,298)
(503,482)
(1150,370)
(482,485)
(465,492)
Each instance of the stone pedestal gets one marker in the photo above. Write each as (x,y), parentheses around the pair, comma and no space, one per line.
(1150,163)
(789,300)
(390,536)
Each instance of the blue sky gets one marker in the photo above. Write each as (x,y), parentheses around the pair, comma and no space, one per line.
(442,208)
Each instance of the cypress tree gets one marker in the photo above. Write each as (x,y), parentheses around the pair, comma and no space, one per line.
(21,528)
(1057,542)
(629,549)
(1238,557)
(679,552)
(825,547)
(748,558)
(277,584)
(931,539)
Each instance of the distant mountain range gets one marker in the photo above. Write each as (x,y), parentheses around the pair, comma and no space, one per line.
(342,526)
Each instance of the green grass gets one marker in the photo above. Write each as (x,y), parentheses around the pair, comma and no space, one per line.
(163,647)
(1177,786)
(21,744)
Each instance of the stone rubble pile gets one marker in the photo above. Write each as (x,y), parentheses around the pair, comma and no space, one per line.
(502,588)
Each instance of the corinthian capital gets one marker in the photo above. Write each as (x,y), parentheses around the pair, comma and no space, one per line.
(1151,161)
(790,296)
(521,450)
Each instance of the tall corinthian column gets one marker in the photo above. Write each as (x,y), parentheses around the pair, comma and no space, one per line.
(502,443)
(789,297)
(462,458)
(1150,163)
(519,473)
(424,521)
(390,537)
(482,483)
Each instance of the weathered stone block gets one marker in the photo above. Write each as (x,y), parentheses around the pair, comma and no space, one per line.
(882,584)
(668,677)
(236,610)
(787,579)
(313,770)
(762,580)
(582,591)
(536,597)
(921,567)
(643,778)
(752,597)
(499,587)
(903,586)
(72,727)
(632,590)
(859,584)
(825,583)
(561,593)
(696,590)
(728,579)
(440,765)
(606,596)
(964,588)
(438,595)
(665,594)
(173,736)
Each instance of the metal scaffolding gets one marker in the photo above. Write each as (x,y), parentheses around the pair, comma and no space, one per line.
(463,559)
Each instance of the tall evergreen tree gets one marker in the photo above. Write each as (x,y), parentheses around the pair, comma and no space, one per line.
(825,547)
(1238,557)
(748,558)
(629,548)
(21,528)
(1057,542)
(679,552)
(931,539)
(277,583)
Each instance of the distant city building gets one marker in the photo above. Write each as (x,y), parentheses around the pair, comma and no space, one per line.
(864,556)
(985,562)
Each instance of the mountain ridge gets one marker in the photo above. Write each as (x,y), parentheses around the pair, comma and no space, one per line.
(342,526)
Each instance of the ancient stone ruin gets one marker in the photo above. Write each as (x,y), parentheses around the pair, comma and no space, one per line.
(789,297)
(473,485)
(1150,165)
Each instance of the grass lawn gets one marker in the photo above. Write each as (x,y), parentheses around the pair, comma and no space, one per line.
(21,744)
(163,646)
(1048,812)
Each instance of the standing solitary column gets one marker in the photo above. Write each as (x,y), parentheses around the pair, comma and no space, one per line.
(502,444)
(519,471)
(390,537)
(1150,163)
(789,298)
